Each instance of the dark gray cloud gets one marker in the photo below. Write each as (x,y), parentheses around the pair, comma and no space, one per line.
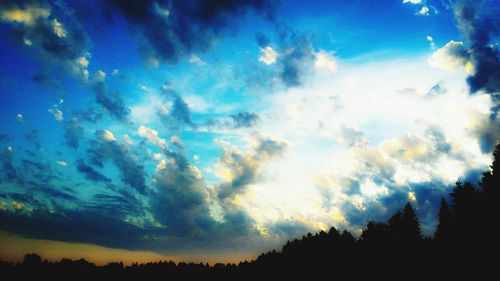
(296,56)
(92,114)
(180,111)
(477,30)
(478,26)
(21,197)
(75,226)
(132,173)
(175,29)
(436,90)
(73,132)
(179,114)
(112,103)
(56,193)
(180,202)
(233,121)
(10,172)
(116,205)
(244,167)
(90,173)
(245,119)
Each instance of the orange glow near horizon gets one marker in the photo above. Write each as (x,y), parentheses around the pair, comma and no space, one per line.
(14,247)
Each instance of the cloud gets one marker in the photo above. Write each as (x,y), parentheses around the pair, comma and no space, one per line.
(412,1)
(245,119)
(424,11)
(9,171)
(237,169)
(122,205)
(269,56)
(431,41)
(484,56)
(57,113)
(180,202)
(90,173)
(112,104)
(37,26)
(152,136)
(482,59)
(90,226)
(325,61)
(27,16)
(73,132)
(178,115)
(105,147)
(296,56)
(450,57)
(363,154)
(100,75)
(179,29)
(353,137)
(196,60)
(108,136)
(58,28)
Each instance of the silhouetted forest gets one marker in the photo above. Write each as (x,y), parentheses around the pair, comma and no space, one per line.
(465,245)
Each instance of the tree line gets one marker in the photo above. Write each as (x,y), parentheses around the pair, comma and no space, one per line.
(465,244)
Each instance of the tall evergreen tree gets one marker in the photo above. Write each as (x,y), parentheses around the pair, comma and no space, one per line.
(444,229)
(410,225)
(491,179)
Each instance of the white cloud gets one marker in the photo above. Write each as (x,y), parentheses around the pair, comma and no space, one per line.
(81,65)
(57,113)
(412,1)
(402,138)
(431,41)
(450,57)
(108,135)
(58,28)
(424,11)
(100,75)
(152,136)
(26,16)
(269,56)
(128,140)
(196,60)
(325,61)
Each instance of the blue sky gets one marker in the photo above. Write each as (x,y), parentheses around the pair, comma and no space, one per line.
(216,129)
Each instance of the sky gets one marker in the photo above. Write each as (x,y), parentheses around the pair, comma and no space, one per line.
(215,130)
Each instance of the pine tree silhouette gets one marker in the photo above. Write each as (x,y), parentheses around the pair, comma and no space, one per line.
(444,231)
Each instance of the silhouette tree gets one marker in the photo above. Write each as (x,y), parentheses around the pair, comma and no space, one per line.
(444,229)
(410,225)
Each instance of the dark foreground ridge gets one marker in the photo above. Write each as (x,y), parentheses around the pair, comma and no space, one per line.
(465,245)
